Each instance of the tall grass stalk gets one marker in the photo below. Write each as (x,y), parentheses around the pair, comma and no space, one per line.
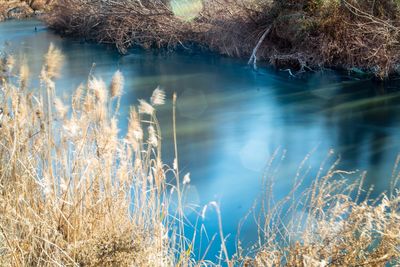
(333,222)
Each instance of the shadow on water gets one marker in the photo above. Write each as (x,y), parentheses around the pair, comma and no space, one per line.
(231,119)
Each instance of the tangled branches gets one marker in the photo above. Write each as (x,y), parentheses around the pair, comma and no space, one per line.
(123,23)
(341,34)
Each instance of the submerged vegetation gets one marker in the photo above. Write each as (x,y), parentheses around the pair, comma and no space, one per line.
(357,35)
(74,192)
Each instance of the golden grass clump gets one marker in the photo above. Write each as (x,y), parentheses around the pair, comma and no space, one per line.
(332,223)
(73,192)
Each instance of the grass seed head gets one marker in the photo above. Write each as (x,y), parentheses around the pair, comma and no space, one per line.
(98,87)
(53,62)
(117,84)
(145,107)
(158,97)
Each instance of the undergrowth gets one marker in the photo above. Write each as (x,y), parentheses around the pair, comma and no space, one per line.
(300,35)
(334,222)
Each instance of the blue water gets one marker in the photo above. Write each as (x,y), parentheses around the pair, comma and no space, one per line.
(231,119)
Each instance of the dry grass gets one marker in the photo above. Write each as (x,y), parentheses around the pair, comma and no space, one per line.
(332,223)
(345,34)
(72,192)
(123,23)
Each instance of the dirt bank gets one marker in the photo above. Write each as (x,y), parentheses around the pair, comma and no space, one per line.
(16,9)
(302,35)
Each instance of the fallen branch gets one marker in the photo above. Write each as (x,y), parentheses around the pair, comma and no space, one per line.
(253,57)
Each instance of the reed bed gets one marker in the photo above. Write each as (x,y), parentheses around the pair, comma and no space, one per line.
(334,222)
(74,191)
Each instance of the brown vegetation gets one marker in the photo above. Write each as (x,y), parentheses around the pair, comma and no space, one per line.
(16,9)
(123,23)
(306,34)
(332,223)
(357,33)
(74,193)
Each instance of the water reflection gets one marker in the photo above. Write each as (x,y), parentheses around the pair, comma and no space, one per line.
(232,119)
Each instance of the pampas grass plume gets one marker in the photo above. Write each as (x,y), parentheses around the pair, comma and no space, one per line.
(152,136)
(53,62)
(117,84)
(145,107)
(60,107)
(158,97)
(24,75)
(98,87)
(10,62)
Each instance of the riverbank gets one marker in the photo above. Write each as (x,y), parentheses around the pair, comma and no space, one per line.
(17,9)
(356,35)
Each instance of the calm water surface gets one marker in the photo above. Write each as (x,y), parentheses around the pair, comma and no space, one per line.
(231,118)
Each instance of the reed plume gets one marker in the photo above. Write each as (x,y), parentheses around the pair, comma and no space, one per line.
(24,75)
(72,192)
(117,84)
(53,62)
(158,97)
(145,107)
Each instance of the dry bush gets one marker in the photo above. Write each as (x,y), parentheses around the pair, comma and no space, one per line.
(220,25)
(341,34)
(299,34)
(360,34)
(333,223)
(39,5)
(123,23)
(72,192)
